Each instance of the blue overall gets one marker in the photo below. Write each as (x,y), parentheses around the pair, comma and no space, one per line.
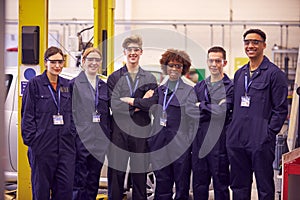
(93,137)
(130,128)
(51,148)
(170,144)
(252,133)
(216,103)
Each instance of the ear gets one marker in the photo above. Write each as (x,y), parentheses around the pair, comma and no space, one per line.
(141,52)
(265,45)
(225,63)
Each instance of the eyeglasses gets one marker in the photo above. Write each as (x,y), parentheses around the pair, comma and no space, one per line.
(217,61)
(177,66)
(135,49)
(93,59)
(56,61)
(254,42)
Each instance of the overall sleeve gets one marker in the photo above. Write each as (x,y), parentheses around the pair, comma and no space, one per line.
(145,104)
(279,91)
(28,123)
(115,89)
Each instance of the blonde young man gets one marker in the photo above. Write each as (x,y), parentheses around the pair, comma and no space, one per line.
(130,126)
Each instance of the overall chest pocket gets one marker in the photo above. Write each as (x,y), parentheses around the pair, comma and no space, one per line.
(66,102)
(44,103)
(258,91)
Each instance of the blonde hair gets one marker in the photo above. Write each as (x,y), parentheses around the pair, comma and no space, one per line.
(132,39)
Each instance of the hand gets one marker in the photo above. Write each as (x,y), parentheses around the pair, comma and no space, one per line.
(148,94)
(127,100)
(197,104)
(222,101)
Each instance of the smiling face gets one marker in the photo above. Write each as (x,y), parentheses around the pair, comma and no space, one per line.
(92,63)
(54,64)
(254,46)
(133,53)
(174,70)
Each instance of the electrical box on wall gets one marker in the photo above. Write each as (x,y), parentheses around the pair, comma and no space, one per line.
(30,44)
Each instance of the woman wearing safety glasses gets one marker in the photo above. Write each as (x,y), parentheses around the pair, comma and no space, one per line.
(172,135)
(46,130)
(91,118)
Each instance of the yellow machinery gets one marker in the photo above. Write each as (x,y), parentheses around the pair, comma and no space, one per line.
(33,29)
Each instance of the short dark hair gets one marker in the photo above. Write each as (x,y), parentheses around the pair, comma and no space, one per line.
(217,49)
(257,31)
(52,51)
(175,55)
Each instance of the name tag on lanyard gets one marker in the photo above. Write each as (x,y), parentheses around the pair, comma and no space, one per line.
(96,117)
(163,119)
(245,100)
(57,119)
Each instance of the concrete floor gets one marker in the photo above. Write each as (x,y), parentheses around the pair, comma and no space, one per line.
(254,189)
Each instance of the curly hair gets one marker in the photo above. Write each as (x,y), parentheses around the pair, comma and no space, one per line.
(175,55)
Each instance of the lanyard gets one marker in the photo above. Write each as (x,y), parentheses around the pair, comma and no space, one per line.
(57,103)
(247,85)
(96,100)
(165,103)
(130,87)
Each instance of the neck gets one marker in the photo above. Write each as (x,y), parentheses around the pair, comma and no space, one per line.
(216,78)
(52,78)
(90,76)
(255,63)
(132,68)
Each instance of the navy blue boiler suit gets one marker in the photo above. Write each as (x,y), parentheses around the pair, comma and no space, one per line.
(130,129)
(170,145)
(92,138)
(216,103)
(51,148)
(252,133)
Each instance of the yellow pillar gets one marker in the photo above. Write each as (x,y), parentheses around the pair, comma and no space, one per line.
(104,30)
(31,13)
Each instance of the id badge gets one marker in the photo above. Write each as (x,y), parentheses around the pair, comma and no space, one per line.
(245,101)
(163,119)
(58,120)
(96,117)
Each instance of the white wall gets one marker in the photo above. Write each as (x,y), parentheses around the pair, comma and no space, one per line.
(198,38)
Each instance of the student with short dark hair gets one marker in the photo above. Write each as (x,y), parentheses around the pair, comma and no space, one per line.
(209,155)
(260,109)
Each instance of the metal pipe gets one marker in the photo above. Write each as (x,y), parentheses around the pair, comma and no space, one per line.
(223,35)
(177,22)
(185,37)
(287,36)
(211,35)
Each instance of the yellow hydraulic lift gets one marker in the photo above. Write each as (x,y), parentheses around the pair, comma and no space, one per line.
(104,30)
(32,13)
(33,41)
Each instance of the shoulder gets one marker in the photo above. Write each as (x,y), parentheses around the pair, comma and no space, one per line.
(200,84)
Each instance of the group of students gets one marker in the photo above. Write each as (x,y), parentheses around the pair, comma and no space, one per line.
(219,129)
